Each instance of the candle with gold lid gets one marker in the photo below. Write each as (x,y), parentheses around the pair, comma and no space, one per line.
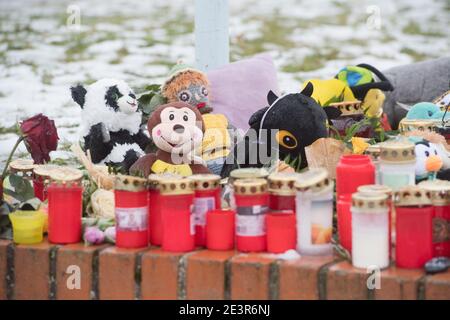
(177,197)
(65,205)
(414,225)
(131,208)
(22,167)
(314,211)
(242,173)
(397,164)
(282,192)
(370,230)
(252,201)
(207,197)
(440,200)
(154,206)
(41,176)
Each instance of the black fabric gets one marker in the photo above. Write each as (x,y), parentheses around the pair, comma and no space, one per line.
(111,97)
(78,94)
(296,113)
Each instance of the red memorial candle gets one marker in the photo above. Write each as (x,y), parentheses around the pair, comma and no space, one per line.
(440,200)
(154,210)
(65,205)
(353,171)
(252,202)
(131,209)
(220,225)
(414,227)
(206,198)
(41,175)
(177,197)
(282,192)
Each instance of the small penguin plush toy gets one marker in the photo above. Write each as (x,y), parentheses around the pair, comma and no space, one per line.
(176,129)
(110,125)
(428,161)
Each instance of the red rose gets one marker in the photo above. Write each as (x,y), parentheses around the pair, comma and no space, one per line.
(40,137)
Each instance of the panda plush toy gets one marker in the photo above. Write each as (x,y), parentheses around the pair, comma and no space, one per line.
(111,123)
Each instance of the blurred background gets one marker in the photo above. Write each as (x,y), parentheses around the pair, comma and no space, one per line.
(44,51)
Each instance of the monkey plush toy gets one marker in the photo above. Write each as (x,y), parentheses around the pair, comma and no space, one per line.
(177,130)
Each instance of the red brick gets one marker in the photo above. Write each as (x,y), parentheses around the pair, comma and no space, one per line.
(398,284)
(437,287)
(160,274)
(75,255)
(205,274)
(250,277)
(117,273)
(299,278)
(3,267)
(32,271)
(346,283)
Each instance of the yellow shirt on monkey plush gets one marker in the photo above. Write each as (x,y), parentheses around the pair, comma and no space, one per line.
(216,139)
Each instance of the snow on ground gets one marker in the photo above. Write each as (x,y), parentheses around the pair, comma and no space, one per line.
(139,40)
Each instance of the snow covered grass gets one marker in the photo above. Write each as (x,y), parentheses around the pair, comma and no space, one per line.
(138,41)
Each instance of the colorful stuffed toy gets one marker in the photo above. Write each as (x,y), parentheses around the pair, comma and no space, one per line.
(189,85)
(110,125)
(297,121)
(176,129)
(425,111)
(428,161)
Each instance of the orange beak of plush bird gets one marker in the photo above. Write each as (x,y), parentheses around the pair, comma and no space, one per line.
(433,163)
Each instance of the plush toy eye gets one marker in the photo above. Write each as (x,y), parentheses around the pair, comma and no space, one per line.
(171,116)
(427,153)
(185,118)
(184,96)
(115,96)
(204,91)
(286,139)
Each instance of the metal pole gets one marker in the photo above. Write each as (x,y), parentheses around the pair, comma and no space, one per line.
(212,47)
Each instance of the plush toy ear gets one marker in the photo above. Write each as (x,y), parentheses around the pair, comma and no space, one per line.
(308,89)
(271,97)
(255,119)
(78,94)
(332,112)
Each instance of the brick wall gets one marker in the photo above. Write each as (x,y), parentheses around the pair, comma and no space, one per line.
(39,272)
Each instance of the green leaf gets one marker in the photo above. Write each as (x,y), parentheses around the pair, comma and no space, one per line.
(156,101)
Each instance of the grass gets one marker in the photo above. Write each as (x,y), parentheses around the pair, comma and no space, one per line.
(414,28)
(312,61)
(417,56)
(120,54)
(6,130)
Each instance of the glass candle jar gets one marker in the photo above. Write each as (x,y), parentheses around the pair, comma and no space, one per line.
(154,207)
(41,176)
(28,226)
(414,227)
(353,171)
(281,232)
(22,167)
(344,221)
(244,173)
(370,230)
(252,200)
(131,209)
(220,226)
(314,211)
(206,198)
(177,197)
(377,188)
(65,205)
(373,151)
(440,200)
(282,192)
(397,162)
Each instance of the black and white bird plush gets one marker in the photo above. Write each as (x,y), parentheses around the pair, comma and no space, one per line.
(111,123)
